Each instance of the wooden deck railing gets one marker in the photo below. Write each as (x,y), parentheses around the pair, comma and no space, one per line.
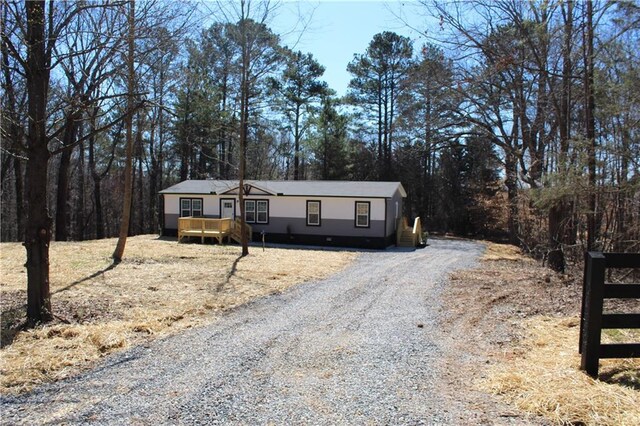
(211,228)
(204,228)
(235,231)
(407,236)
(417,231)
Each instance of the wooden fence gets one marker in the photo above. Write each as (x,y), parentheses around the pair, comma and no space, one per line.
(593,321)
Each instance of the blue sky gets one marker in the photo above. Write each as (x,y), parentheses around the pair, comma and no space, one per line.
(339,29)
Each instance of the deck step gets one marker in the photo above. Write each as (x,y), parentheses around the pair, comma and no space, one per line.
(406,238)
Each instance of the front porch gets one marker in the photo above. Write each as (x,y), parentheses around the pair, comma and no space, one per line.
(211,228)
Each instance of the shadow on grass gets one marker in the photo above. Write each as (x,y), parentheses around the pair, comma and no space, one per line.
(13,318)
(12,321)
(232,273)
(92,276)
(622,376)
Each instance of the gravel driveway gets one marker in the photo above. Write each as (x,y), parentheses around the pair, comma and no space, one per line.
(358,348)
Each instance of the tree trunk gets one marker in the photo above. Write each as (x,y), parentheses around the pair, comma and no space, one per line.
(567,214)
(511,183)
(296,139)
(555,256)
(559,217)
(98,205)
(225,154)
(38,237)
(622,210)
(390,131)
(97,179)
(62,211)
(80,207)
(380,131)
(590,106)
(427,174)
(17,170)
(243,160)
(128,172)
(38,227)
(325,153)
(159,175)
(140,198)
(16,133)
(153,169)
(244,117)
(185,150)
(385,136)
(62,208)
(152,191)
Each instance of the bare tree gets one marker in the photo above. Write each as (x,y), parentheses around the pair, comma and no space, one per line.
(258,58)
(38,232)
(41,26)
(128,172)
(93,62)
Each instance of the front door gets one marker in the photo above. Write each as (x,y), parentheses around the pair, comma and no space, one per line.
(227,208)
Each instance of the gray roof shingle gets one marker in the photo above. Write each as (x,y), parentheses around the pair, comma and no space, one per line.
(315,188)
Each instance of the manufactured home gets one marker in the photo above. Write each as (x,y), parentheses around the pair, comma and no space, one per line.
(335,213)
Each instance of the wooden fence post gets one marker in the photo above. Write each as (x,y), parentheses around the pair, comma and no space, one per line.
(584,292)
(591,326)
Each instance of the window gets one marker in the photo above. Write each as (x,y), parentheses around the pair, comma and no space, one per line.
(250,211)
(256,211)
(191,207)
(263,211)
(313,213)
(196,207)
(185,207)
(362,214)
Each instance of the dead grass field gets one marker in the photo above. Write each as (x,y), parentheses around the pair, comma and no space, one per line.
(542,376)
(524,319)
(160,287)
(504,252)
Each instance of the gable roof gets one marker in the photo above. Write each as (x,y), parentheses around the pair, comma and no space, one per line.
(310,188)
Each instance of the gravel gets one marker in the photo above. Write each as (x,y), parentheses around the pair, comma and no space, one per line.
(358,348)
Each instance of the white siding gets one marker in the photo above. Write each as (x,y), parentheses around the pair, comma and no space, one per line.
(283,206)
(211,203)
(331,208)
(171,204)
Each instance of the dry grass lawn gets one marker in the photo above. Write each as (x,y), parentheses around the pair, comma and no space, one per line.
(542,376)
(525,319)
(504,252)
(159,288)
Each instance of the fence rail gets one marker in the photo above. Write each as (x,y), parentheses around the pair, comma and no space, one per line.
(593,321)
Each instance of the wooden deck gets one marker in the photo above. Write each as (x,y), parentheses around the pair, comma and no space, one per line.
(211,228)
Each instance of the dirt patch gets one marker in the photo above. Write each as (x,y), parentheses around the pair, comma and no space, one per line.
(521,321)
(159,288)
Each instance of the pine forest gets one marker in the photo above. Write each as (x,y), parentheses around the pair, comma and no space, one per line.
(515,121)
